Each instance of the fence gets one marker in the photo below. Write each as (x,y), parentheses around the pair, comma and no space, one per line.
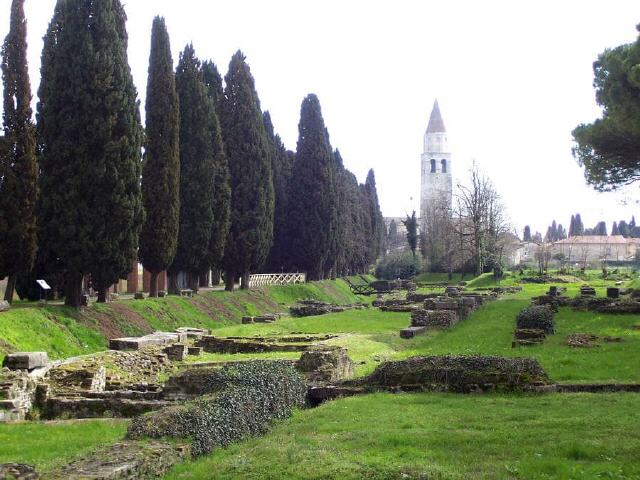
(262,279)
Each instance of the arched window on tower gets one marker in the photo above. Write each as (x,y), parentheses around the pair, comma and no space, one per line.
(444,165)
(433,165)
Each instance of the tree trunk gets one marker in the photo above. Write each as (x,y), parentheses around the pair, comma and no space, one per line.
(153,284)
(11,287)
(229,281)
(102,295)
(244,281)
(173,283)
(194,281)
(215,277)
(72,289)
(204,279)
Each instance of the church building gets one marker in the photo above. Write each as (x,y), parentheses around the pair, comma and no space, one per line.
(436,179)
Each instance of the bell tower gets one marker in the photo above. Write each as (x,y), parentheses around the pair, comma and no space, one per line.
(437,183)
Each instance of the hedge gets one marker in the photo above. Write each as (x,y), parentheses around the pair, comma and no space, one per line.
(241,400)
(539,317)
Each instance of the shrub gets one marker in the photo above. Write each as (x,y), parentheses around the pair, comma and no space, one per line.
(398,265)
(241,400)
(539,317)
(457,373)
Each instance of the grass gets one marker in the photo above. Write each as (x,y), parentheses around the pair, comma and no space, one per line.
(65,332)
(440,436)
(48,445)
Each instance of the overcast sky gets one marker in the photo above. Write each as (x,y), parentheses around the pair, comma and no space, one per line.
(513,78)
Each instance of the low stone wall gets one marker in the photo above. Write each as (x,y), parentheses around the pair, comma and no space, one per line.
(461,374)
(307,308)
(528,336)
(126,461)
(152,340)
(213,344)
(434,318)
(108,406)
(17,395)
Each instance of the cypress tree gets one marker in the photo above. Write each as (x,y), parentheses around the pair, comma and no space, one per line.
(281,165)
(623,228)
(377,221)
(161,168)
(252,197)
(19,171)
(117,200)
(310,194)
(526,236)
(572,226)
(579,227)
(222,180)
(197,171)
(90,143)
(614,229)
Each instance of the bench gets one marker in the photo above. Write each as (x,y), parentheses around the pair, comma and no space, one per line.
(186,292)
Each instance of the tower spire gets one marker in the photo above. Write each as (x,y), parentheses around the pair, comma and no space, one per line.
(436,124)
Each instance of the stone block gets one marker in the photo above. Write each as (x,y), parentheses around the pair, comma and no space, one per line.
(26,360)
(411,332)
(194,351)
(613,292)
(265,319)
(4,306)
(176,352)
(192,332)
(153,339)
(162,293)
(327,364)
(138,296)
(434,318)
(445,305)
(247,320)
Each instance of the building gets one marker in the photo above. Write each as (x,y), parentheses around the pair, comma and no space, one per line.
(592,249)
(436,178)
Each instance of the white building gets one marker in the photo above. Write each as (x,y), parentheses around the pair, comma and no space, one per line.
(436,179)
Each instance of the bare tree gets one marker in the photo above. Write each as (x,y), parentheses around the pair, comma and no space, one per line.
(483,220)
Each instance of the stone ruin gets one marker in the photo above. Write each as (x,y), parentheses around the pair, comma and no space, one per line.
(290,343)
(325,364)
(308,308)
(528,336)
(269,318)
(441,313)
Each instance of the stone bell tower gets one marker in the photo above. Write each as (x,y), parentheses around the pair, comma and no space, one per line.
(437,183)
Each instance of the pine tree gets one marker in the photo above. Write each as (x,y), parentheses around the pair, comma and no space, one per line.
(90,142)
(213,81)
(562,233)
(554,231)
(197,171)
(310,211)
(614,229)
(600,229)
(411,224)
(281,165)
(252,197)
(393,233)
(623,227)
(161,170)
(18,169)
(526,235)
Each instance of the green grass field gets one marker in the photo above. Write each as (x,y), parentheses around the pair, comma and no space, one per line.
(382,436)
(439,436)
(48,445)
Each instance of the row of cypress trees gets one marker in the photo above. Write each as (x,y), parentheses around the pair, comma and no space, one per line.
(219,189)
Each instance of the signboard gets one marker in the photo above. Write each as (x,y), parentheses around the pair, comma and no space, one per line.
(43,284)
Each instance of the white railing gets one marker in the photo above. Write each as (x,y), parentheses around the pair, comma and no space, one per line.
(263,279)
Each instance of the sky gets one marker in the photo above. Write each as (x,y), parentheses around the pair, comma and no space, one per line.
(513,78)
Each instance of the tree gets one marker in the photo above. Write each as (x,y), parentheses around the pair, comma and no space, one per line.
(197,170)
(562,233)
(392,235)
(526,236)
(483,222)
(572,226)
(252,197)
(310,197)
(614,229)
(600,229)
(377,221)
(161,168)
(411,224)
(609,148)
(579,226)
(90,147)
(18,164)
(222,182)
(281,165)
